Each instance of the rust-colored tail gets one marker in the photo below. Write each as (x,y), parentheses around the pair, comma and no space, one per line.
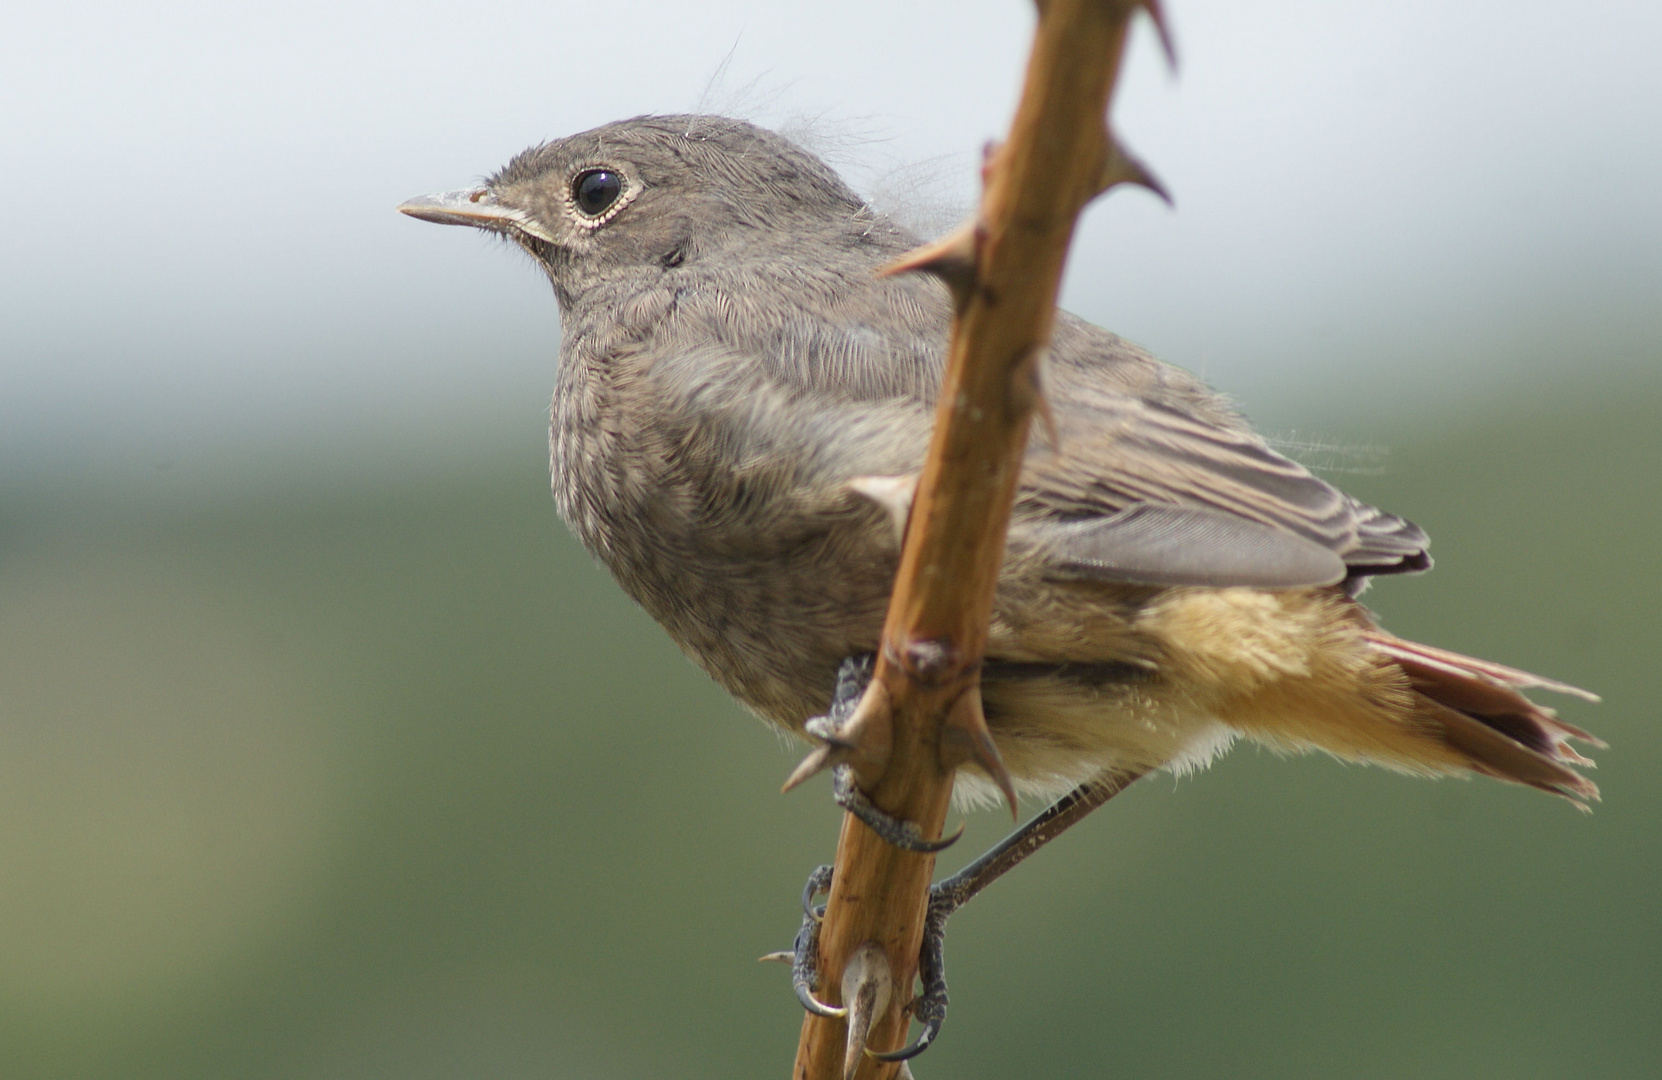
(1482,716)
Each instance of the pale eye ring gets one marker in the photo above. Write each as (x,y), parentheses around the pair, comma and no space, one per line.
(594,191)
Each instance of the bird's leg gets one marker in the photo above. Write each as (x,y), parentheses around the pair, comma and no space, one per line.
(901,834)
(853,677)
(947,896)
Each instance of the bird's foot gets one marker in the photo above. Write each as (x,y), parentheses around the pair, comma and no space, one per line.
(894,831)
(855,730)
(928,1008)
(804,953)
(945,898)
(854,733)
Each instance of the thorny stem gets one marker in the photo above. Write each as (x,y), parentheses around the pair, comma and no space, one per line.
(1005,271)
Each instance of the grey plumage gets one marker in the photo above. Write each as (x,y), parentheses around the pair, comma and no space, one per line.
(730,362)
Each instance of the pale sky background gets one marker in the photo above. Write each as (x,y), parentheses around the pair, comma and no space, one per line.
(1379,203)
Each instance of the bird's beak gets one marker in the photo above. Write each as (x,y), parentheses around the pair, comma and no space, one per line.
(478,207)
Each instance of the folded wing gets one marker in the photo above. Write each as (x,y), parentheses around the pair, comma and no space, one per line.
(1157,481)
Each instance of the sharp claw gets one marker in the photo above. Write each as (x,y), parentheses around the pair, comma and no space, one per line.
(805,969)
(819,881)
(804,956)
(910,841)
(947,841)
(912,1049)
(816,1006)
(895,832)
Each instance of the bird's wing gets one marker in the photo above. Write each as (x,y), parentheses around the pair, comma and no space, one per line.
(1157,481)
(1161,544)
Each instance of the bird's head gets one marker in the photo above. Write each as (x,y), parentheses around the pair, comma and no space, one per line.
(652,194)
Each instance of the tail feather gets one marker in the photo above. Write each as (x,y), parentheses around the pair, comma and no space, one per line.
(1477,706)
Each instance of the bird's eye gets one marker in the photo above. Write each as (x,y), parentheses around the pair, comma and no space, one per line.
(596,190)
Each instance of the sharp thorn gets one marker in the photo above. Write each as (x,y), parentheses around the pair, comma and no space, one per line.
(785,957)
(1157,16)
(1032,369)
(1001,776)
(815,762)
(989,158)
(1123,167)
(952,258)
(867,736)
(892,494)
(863,740)
(867,986)
(1053,435)
(966,724)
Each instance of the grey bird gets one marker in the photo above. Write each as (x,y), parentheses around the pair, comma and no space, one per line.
(743,403)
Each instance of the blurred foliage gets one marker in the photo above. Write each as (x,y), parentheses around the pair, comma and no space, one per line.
(324,781)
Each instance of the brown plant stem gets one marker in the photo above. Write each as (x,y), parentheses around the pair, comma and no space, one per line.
(1004,270)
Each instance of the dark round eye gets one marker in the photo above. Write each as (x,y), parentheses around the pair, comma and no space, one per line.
(596,190)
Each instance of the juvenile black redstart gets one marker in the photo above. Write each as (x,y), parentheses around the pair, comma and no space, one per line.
(742,405)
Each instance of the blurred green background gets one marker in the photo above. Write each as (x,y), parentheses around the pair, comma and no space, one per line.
(385,779)
(326,755)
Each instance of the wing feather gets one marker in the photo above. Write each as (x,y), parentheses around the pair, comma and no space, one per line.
(1153,461)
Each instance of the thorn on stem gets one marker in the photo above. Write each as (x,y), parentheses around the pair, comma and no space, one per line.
(810,766)
(1027,381)
(863,741)
(954,258)
(1122,167)
(966,738)
(868,984)
(1157,16)
(892,494)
